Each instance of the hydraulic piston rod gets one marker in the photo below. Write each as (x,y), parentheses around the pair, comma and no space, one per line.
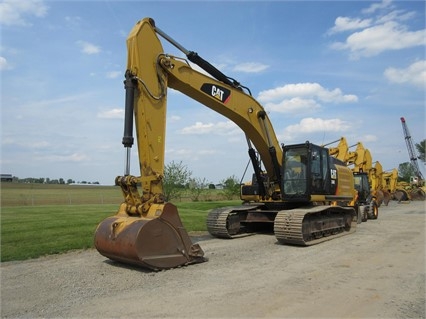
(130,84)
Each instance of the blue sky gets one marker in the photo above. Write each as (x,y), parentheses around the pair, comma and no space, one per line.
(321,69)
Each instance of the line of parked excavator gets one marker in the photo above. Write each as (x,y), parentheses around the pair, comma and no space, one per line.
(302,193)
(382,186)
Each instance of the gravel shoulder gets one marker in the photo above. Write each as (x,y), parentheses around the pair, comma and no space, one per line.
(376,272)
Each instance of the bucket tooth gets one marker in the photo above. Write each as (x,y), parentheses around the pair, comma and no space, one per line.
(155,243)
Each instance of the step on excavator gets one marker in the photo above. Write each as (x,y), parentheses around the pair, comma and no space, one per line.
(298,191)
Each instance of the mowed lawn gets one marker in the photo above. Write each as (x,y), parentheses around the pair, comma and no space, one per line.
(31,228)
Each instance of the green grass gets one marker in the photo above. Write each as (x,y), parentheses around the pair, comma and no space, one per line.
(20,194)
(29,232)
(194,214)
(32,231)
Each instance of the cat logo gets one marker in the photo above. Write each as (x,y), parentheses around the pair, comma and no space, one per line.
(216,91)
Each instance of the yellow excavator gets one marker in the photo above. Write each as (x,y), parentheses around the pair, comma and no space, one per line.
(370,181)
(366,181)
(298,191)
(393,187)
(390,179)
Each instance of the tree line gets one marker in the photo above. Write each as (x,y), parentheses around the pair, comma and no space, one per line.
(47,180)
(178,179)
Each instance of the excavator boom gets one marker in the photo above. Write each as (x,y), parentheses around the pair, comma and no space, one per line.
(146,230)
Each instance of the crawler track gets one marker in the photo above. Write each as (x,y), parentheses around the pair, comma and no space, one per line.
(310,226)
(216,222)
(300,226)
(225,222)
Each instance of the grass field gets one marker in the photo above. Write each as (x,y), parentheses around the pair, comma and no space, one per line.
(20,194)
(38,219)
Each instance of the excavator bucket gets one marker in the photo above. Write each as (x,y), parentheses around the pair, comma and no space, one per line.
(154,243)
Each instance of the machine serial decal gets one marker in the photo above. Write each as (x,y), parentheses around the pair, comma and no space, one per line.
(218,92)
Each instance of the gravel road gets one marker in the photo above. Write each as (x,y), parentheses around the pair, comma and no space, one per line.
(377,272)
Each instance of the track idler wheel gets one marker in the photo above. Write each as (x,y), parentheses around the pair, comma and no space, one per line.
(156,243)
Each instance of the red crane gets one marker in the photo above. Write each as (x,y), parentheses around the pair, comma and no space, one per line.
(411,151)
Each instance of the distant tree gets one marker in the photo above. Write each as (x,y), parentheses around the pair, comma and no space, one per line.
(231,187)
(421,149)
(61,181)
(197,186)
(176,176)
(405,170)
(70,181)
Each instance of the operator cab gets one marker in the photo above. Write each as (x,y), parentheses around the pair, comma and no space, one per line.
(305,171)
(362,186)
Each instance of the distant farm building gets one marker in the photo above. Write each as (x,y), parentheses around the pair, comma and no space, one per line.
(6,177)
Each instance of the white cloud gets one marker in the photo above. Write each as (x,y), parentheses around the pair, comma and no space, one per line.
(114,74)
(368,138)
(112,114)
(377,39)
(174,118)
(208,152)
(377,6)
(33,144)
(72,22)
(311,125)
(39,144)
(59,101)
(4,65)
(88,48)
(250,67)
(75,157)
(220,128)
(384,32)
(181,153)
(16,12)
(414,74)
(305,94)
(397,15)
(295,104)
(189,154)
(198,128)
(347,24)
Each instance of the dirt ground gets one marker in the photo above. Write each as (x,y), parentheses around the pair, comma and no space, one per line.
(377,272)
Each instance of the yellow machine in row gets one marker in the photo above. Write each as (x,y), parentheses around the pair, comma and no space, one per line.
(383,185)
(369,180)
(298,191)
